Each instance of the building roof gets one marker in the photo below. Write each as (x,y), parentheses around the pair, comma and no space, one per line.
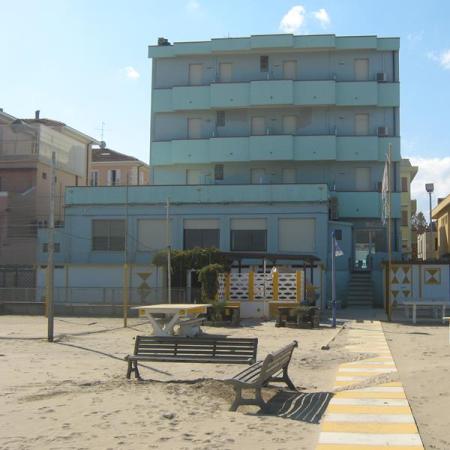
(405,164)
(439,208)
(47,122)
(103,154)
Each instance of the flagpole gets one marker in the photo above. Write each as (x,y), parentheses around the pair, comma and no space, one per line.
(333,278)
(389,303)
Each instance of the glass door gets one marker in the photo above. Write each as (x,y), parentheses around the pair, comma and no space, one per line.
(364,247)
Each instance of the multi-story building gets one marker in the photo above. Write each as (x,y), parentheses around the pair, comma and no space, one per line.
(111,168)
(262,145)
(26,148)
(441,213)
(409,207)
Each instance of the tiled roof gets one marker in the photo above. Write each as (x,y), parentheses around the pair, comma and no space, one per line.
(106,155)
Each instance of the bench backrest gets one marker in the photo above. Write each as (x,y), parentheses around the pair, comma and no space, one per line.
(276,361)
(206,348)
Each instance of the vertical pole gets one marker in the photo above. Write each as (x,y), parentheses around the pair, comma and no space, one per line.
(126,280)
(389,212)
(50,267)
(169,265)
(264,271)
(333,280)
(430,246)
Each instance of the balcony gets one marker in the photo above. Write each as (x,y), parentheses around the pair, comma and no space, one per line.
(191,194)
(352,205)
(276,93)
(273,148)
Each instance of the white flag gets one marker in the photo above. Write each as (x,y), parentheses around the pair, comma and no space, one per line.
(384,194)
(337,249)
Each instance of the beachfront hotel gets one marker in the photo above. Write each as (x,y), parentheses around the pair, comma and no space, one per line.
(262,146)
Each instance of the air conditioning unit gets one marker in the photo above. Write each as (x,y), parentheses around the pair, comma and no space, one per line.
(333,209)
(381,77)
(383,131)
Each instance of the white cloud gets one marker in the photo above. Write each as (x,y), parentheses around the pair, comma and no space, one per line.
(431,170)
(443,58)
(131,73)
(415,36)
(322,16)
(192,5)
(293,20)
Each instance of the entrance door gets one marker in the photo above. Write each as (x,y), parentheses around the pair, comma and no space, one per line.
(290,70)
(194,128)
(361,69)
(289,125)
(258,176)
(225,72)
(362,179)
(361,124)
(258,126)
(195,74)
(364,249)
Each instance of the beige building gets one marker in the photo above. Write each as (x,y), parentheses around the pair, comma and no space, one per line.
(26,147)
(441,213)
(111,168)
(408,207)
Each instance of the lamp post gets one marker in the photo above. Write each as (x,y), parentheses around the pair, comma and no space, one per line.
(429,187)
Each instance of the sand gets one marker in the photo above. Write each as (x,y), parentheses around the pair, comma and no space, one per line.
(73,394)
(422,356)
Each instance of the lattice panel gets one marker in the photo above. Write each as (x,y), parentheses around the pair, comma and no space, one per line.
(287,286)
(239,286)
(259,286)
(221,290)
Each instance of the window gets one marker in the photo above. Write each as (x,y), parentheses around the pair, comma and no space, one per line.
(264,63)
(141,178)
(195,74)
(362,179)
(225,72)
(258,126)
(338,234)
(248,235)
(203,233)
(405,221)
(404,184)
(289,175)
(194,128)
(258,176)
(361,67)
(108,235)
(289,125)
(218,172)
(56,247)
(361,124)
(44,175)
(94,178)
(290,70)
(220,119)
(152,234)
(296,235)
(114,177)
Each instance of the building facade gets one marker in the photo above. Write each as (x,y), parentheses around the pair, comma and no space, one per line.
(441,214)
(409,208)
(259,144)
(26,148)
(111,168)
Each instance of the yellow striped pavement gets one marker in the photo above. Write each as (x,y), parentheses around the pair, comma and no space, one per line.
(369,413)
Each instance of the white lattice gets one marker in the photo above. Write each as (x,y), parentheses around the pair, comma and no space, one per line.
(221,290)
(259,286)
(239,286)
(287,286)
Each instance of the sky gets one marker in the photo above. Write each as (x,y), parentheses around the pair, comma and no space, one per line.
(85,62)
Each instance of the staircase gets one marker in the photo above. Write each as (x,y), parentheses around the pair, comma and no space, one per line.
(360,290)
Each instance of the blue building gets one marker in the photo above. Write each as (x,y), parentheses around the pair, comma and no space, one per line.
(264,145)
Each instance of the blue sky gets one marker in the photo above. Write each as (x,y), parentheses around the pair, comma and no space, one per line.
(84,62)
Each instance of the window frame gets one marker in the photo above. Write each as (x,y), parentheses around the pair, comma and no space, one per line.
(108,237)
(248,239)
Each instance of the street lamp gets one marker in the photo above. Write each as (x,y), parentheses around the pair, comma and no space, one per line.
(429,187)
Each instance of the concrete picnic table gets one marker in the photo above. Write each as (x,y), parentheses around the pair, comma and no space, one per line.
(413,304)
(183,314)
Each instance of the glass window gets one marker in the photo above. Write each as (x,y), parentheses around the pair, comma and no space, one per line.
(201,238)
(220,118)
(249,240)
(152,234)
(264,63)
(404,184)
(218,172)
(405,218)
(108,235)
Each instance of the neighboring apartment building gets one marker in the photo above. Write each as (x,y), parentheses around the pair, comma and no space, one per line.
(263,144)
(427,244)
(441,213)
(111,168)
(409,207)
(26,147)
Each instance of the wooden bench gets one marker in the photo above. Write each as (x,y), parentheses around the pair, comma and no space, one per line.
(430,304)
(192,350)
(260,374)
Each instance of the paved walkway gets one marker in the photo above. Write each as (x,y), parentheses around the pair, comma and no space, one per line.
(374,415)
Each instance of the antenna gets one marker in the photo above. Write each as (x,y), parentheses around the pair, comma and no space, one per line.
(102,130)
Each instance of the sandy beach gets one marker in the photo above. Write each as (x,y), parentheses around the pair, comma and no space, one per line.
(73,393)
(422,356)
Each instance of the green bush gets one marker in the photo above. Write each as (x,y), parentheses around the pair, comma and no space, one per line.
(209,278)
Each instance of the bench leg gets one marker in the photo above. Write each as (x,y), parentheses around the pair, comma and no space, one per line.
(257,401)
(237,398)
(133,367)
(287,380)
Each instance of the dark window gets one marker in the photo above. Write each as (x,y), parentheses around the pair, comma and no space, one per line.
(56,247)
(220,119)
(44,176)
(108,235)
(264,63)
(218,172)
(201,238)
(249,240)
(404,184)
(338,235)
(405,218)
